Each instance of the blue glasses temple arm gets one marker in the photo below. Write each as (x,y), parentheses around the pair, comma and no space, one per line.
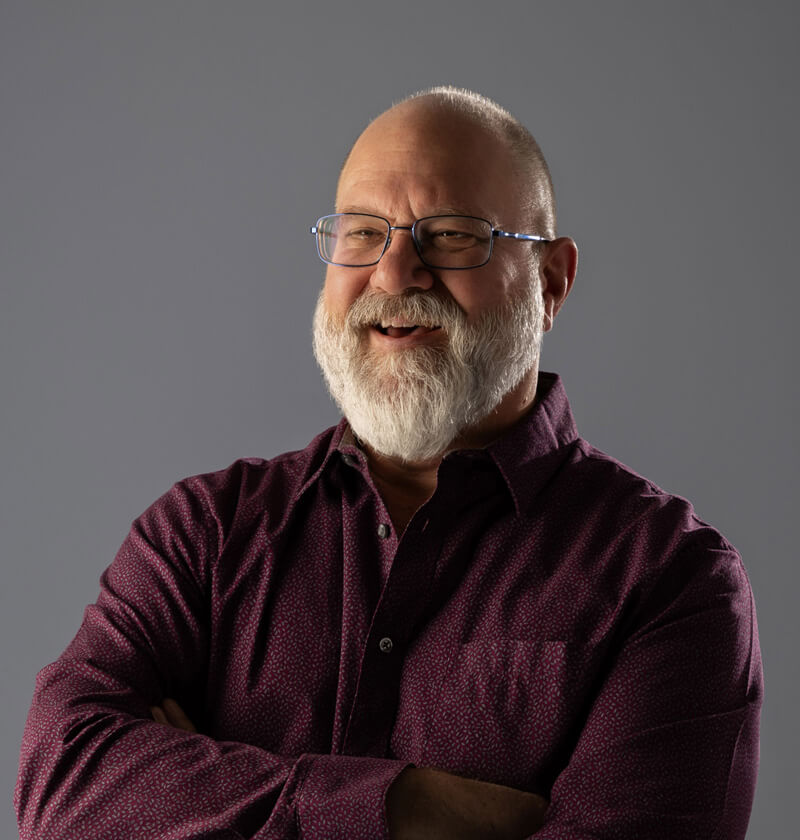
(528,236)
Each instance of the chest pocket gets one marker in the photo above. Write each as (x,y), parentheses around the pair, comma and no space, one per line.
(504,710)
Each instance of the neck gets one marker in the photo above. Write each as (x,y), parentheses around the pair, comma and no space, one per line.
(406,485)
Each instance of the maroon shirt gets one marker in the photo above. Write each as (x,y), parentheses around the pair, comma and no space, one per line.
(549,620)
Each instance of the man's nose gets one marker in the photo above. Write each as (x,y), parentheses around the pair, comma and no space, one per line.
(400,267)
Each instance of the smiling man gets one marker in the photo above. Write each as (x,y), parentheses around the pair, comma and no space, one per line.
(449,616)
(432,344)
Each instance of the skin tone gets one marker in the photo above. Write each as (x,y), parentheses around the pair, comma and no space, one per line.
(169,713)
(416,161)
(425,803)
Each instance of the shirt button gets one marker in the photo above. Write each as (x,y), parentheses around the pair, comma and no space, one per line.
(384,530)
(349,460)
(385,645)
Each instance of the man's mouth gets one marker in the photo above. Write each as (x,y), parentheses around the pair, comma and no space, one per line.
(402,329)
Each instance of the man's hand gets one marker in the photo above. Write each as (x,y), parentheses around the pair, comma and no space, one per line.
(428,804)
(171,714)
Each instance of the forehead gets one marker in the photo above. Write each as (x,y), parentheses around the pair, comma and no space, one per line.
(410,164)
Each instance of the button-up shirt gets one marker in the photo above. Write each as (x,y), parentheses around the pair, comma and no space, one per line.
(548,620)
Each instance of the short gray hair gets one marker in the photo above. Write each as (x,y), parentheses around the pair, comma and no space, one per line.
(522,144)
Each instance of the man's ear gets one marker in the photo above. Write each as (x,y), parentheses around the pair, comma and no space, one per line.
(557,266)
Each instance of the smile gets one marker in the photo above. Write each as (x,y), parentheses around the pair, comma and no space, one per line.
(400,330)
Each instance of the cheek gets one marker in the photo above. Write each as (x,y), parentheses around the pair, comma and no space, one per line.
(510,280)
(341,288)
(477,294)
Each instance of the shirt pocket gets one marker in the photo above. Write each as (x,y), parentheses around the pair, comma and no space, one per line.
(504,711)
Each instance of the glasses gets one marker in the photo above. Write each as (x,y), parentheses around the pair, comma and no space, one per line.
(355,240)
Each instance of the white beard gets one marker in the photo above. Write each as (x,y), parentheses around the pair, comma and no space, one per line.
(412,403)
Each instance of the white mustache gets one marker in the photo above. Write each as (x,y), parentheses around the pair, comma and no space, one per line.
(424,309)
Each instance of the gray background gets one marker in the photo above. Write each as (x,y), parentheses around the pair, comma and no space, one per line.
(160,163)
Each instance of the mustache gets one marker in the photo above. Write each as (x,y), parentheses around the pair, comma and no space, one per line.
(425,309)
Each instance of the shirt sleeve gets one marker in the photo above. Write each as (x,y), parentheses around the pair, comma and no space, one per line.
(669,748)
(94,765)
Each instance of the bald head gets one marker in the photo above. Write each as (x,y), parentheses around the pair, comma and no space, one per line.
(465,117)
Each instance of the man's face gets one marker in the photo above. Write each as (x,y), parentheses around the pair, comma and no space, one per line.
(410,164)
(410,392)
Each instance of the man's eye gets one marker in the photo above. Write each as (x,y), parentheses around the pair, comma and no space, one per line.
(450,238)
(362,233)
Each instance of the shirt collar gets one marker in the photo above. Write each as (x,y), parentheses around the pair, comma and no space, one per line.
(531,451)
(526,456)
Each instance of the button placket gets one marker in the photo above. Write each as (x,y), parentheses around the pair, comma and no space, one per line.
(403,597)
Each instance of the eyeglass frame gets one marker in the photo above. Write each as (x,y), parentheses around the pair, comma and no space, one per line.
(495,234)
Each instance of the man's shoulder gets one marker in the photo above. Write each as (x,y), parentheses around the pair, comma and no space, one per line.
(294,463)
(631,502)
(253,483)
(646,547)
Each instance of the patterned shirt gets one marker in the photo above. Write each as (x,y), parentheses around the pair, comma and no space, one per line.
(548,620)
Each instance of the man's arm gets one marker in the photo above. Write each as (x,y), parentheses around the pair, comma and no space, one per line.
(425,803)
(669,747)
(95,765)
(428,804)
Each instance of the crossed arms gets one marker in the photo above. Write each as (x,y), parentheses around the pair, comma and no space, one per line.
(648,759)
(428,804)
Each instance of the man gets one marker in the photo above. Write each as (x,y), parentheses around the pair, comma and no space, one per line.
(448,617)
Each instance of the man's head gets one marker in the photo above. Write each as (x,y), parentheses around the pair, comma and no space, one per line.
(456,106)
(473,357)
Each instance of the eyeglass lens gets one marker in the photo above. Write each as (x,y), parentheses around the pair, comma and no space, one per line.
(355,239)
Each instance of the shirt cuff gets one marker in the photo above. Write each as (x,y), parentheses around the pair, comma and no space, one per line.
(343,797)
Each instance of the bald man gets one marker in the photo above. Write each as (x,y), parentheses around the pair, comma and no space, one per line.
(449,616)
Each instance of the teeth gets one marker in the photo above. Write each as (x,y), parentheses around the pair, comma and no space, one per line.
(385,325)
(405,325)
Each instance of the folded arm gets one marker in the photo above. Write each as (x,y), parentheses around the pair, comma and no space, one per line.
(94,764)
(669,747)
(429,804)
